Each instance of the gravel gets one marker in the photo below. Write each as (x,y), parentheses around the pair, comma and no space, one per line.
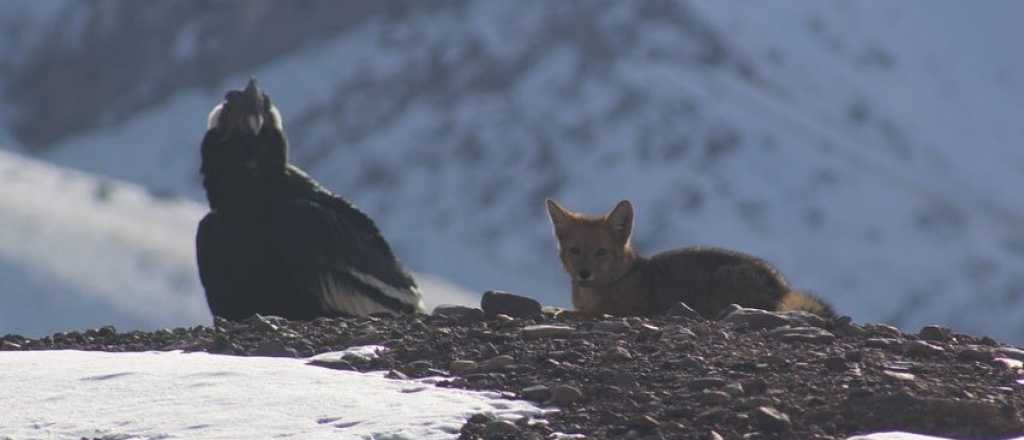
(670,377)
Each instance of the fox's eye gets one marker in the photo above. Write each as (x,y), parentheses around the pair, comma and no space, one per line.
(601,252)
(574,251)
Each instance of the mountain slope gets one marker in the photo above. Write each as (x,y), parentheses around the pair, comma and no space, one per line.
(870,152)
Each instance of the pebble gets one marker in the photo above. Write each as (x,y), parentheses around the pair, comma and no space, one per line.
(836,363)
(461,366)
(883,342)
(898,375)
(715,436)
(421,365)
(497,362)
(536,393)
(644,422)
(803,334)
(274,349)
(547,331)
(934,333)
(771,420)
(459,313)
(714,397)
(1008,363)
(496,302)
(261,323)
(499,429)
(883,330)
(976,353)
(756,319)
(1010,352)
(922,348)
(704,383)
(565,395)
(735,389)
(611,327)
(618,354)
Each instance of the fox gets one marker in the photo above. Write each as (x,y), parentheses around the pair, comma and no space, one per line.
(610,277)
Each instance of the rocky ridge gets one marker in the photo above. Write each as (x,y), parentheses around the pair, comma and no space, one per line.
(751,374)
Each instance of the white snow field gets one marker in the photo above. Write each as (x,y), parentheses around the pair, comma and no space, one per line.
(160,395)
(80,251)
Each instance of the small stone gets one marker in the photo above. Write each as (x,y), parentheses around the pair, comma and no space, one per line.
(735,389)
(480,418)
(934,333)
(611,327)
(459,313)
(854,355)
(804,319)
(683,310)
(885,343)
(1008,363)
(617,354)
(771,420)
(536,393)
(922,348)
(496,302)
(274,349)
(8,345)
(497,362)
(704,383)
(714,397)
(899,376)
(644,422)
(334,364)
(397,375)
(503,318)
(420,365)
(565,395)
(755,319)
(714,436)
(836,363)
(461,366)
(499,429)
(803,334)
(547,331)
(883,330)
(260,322)
(1010,352)
(976,353)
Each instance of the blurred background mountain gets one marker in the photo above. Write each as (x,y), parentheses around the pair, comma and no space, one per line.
(870,150)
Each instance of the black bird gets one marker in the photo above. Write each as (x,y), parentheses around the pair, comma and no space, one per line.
(276,242)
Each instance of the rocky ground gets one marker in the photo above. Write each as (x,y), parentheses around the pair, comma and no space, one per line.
(751,374)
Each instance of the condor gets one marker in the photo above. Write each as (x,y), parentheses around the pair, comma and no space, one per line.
(275,241)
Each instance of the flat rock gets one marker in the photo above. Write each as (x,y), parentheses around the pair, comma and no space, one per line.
(883,342)
(771,420)
(934,333)
(536,393)
(978,353)
(1008,363)
(497,362)
(1010,352)
(612,327)
(756,319)
(922,348)
(547,331)
(462,366)
(617,354)
(500,429)
(496,303)
(803,334)
(565,395)
(459,313)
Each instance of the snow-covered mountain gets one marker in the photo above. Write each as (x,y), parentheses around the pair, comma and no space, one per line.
(872,151)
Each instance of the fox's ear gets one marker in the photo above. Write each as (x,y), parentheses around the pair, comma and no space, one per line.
(560,217)
(621,220)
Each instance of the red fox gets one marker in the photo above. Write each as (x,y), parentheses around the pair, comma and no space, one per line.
(609,277)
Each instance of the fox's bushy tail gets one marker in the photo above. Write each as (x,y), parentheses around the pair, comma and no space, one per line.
(807,302)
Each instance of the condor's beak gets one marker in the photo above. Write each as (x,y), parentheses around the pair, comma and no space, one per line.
(253,122)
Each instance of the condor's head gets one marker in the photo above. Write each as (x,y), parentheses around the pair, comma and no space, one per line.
(244,138)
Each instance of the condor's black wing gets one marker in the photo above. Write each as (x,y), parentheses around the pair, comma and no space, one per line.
(335,254)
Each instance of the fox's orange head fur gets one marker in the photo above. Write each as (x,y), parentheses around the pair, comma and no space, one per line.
(595,250)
